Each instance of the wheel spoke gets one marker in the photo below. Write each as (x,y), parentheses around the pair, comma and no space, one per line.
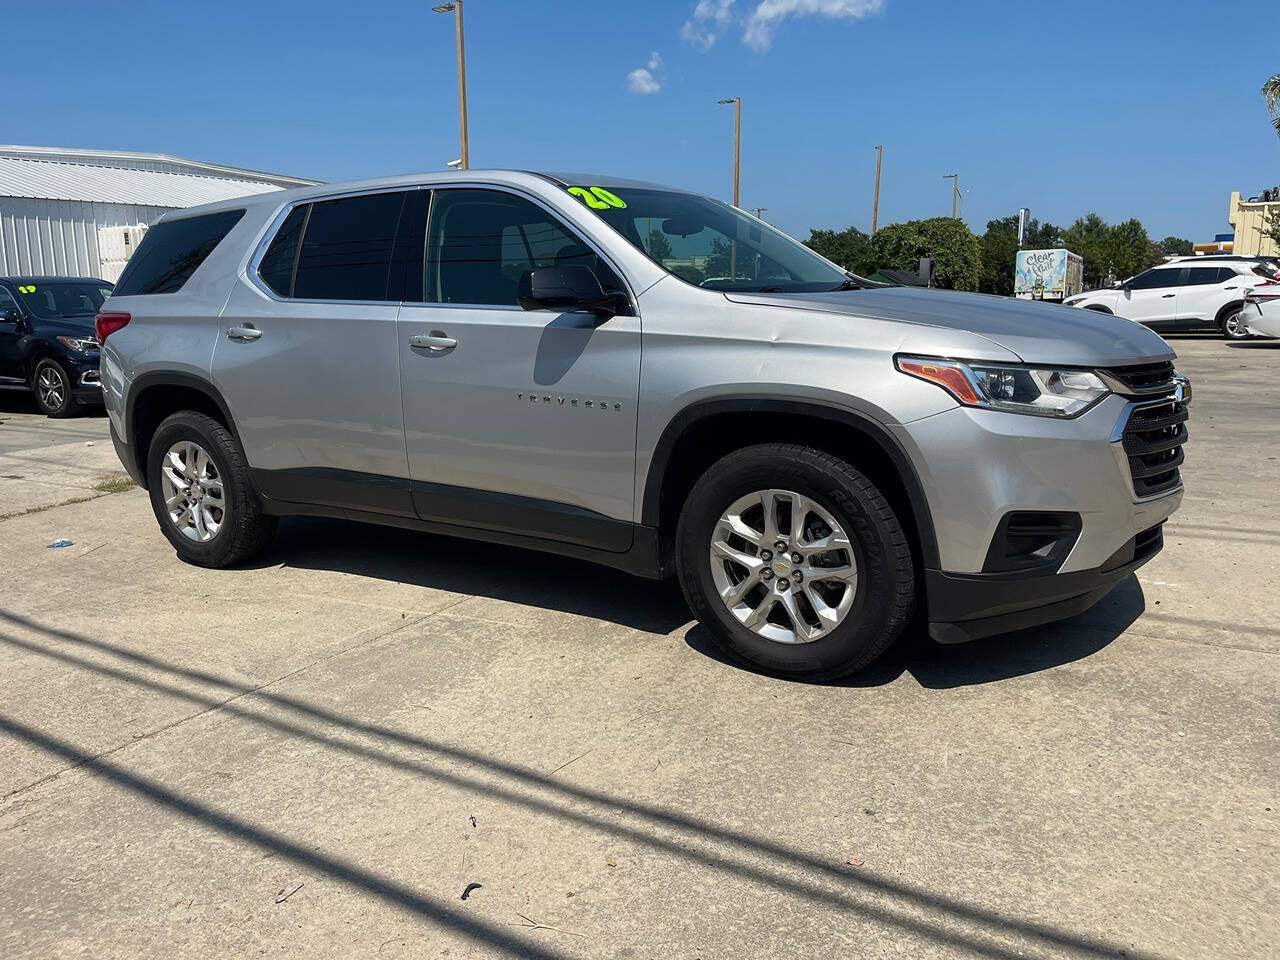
(732,595)
(722,549)
(799,625)
(827,614)
(760,615)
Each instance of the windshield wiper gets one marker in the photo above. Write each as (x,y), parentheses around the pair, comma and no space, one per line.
(846,284)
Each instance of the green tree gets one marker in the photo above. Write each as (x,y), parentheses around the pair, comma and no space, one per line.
(999,249)
(955,251)
(1271,94)
(1176,247)
(1131,249)
(1090,237)
(850,248)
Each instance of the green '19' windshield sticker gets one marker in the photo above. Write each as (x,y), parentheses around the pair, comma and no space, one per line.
(598,198)
(29,288)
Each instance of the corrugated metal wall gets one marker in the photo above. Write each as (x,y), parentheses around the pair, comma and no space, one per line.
(60,237)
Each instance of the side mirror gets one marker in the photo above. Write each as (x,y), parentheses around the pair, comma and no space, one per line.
(572,287)
(11,316)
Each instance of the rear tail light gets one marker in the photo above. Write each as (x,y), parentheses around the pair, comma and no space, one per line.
(108,323)
(1264,292)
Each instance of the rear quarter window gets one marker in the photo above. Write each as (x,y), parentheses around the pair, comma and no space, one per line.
(172,251)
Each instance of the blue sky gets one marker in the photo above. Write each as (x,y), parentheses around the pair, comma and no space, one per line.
(1146,109)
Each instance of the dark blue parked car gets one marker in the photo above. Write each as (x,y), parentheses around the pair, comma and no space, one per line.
(47,340)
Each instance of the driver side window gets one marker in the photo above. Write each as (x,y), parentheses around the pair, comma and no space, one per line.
(7,301)
(481,242)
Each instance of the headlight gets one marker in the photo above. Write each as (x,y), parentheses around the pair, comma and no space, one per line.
(1039,392)
(80,344)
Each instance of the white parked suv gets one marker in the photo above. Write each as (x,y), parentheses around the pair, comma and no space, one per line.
(1184,295)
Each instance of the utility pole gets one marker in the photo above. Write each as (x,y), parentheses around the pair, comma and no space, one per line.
(955,194)
(875,206)
(456,8)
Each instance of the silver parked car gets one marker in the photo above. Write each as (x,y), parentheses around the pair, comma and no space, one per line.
(649,379)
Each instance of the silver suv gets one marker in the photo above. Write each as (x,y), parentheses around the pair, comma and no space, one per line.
(648,379)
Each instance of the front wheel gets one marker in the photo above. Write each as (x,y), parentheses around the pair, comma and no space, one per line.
(794,562)
(201,494)
(52,386)
(1236,326)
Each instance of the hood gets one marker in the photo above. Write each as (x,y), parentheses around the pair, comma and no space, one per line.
(1037,332)
(64,326)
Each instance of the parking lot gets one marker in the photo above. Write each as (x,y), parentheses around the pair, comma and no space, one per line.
(374,743)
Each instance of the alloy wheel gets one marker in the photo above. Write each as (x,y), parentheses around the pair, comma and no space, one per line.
(52,387)
(193,493)
(783,566)
(1235,326)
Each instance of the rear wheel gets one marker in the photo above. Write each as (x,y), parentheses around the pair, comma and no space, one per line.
(1235,325)
(201,494)
(794,562)
(52,387)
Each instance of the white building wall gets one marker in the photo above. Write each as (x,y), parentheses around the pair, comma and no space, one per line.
(60,237)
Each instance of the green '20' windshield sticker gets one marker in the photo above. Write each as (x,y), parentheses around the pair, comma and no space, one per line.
(598,198)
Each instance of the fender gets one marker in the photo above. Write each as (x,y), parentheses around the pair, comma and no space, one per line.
(165,378)
(877,432)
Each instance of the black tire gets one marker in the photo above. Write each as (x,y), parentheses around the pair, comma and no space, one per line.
(66,405)
(885,590)
(244,531)
(1227,329)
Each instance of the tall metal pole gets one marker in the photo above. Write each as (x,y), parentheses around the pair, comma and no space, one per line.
(955,192)
(737,147)
(462,88)
(875,206)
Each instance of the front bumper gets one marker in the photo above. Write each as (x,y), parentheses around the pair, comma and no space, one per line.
(979,467)
(964,607)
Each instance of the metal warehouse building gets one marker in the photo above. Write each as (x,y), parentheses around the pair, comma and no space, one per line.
(67,212)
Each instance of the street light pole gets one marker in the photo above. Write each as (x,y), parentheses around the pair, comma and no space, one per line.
(955,193)
(875,206)
(737,143)
(456,8)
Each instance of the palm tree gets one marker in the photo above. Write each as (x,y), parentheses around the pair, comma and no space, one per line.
(1271,94)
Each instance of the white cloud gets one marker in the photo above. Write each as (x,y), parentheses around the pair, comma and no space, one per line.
(769,14)
(709,19)
(646,80)
(642,82)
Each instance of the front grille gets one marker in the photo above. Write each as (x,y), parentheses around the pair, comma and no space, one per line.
(1153,440)
(1144,378)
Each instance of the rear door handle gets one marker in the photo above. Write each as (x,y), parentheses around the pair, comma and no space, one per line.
(1166,296)
(243,333)
(435,341)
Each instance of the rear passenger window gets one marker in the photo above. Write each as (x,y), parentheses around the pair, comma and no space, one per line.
(1203,276)
(172,251)
(346,248)
(480,242)
(277,264)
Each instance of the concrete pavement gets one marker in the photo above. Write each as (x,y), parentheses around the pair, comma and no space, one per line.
(318,755)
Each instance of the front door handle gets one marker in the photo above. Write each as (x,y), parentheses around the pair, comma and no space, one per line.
(436,341)
(243,333)
(1166,296)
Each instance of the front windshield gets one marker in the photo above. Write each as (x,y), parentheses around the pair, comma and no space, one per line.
(56,299)
(711,244)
